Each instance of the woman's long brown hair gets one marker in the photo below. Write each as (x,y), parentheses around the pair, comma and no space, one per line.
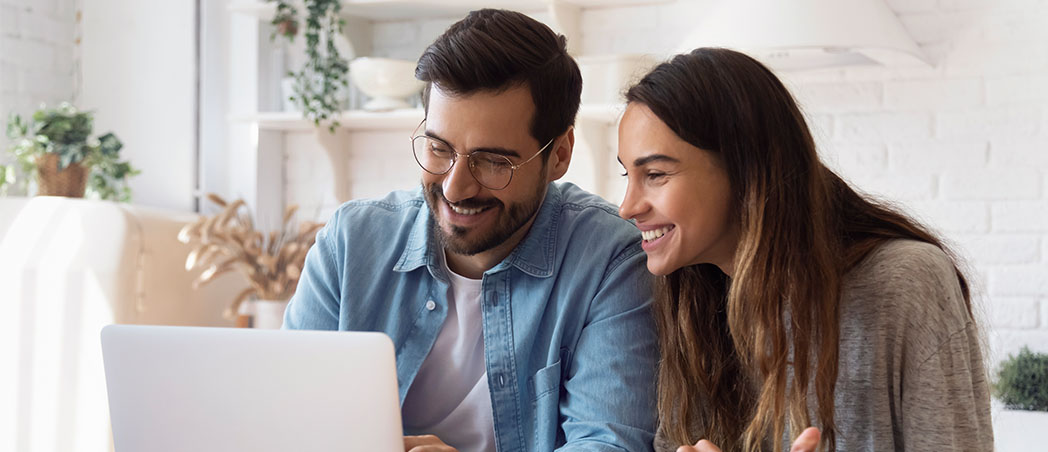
(740,354)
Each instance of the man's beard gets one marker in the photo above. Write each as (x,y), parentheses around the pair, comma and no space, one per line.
(509,221)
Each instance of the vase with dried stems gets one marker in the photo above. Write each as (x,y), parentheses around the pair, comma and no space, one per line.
(272,262)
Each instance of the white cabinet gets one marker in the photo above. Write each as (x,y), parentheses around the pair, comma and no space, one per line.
(257,126)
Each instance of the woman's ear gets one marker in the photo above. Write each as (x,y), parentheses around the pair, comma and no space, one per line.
(560,156)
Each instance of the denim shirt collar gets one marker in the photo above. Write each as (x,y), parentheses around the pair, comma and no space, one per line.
(534,255)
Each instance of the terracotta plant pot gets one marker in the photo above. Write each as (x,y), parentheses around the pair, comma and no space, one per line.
(287,28)
(69,182)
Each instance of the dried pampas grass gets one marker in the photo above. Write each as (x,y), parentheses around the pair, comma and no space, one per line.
(228,241)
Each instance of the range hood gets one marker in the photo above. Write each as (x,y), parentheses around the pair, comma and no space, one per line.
(809,34)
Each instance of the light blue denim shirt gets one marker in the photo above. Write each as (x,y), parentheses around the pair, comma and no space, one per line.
(569,338)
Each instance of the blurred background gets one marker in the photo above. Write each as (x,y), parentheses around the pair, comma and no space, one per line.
(939,105)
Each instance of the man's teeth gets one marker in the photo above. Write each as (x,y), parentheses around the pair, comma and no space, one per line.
(462,211)
(655,233)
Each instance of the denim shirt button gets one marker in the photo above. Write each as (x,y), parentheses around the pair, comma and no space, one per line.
(431,305)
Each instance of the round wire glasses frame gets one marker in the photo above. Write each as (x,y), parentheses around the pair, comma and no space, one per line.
(491,170)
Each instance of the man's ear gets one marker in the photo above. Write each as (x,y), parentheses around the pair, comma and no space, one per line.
(560,156)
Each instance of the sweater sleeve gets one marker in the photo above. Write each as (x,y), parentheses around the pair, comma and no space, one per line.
(944,388)
(911,373)
(945,399)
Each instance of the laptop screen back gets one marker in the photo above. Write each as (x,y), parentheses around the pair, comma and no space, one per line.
(225,389)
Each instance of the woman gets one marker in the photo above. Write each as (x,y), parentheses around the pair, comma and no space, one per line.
(786,299)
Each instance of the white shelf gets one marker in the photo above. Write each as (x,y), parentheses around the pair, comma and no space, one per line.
(351,120)
(413,9)
(407,119)
(263,160)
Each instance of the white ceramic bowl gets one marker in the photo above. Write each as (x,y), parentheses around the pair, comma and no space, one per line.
(386,81)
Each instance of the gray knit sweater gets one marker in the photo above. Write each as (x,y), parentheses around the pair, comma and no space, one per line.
(911,373)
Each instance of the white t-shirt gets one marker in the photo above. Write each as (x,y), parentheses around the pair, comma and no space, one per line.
(449,397)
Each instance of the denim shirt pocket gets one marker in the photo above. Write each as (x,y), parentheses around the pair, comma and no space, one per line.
(546,389)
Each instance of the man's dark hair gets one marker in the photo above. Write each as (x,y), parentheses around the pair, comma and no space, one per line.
(494,49)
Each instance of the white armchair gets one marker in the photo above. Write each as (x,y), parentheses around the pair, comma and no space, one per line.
(67,268)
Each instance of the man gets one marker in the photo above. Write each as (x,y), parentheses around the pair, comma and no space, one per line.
(519,308)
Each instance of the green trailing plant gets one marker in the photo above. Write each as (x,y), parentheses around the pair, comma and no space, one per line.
(66,132)
(109,174)
(7,177)
(1022,382)
(322,84)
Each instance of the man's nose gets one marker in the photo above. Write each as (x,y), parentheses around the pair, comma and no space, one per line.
(459,183)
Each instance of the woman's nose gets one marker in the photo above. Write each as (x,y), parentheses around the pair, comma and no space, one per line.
(631,203)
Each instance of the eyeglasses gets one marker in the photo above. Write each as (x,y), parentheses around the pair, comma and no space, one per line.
(493,171)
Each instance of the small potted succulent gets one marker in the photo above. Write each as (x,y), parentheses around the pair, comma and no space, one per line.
(55,146)
(1022,386)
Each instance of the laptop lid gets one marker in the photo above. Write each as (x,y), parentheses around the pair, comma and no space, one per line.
(236,389)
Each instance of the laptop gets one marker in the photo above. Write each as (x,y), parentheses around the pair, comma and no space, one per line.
(238,389)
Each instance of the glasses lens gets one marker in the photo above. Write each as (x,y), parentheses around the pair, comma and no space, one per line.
(432,155)
(491,170)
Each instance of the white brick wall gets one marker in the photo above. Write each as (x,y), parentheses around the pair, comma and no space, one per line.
(991,122)
(991,184)
(929,155)
(963,144)
(988,249)
(1020,216)
(840,97)
(924,95)
(896,185)
(1017,89)
(883,126)
(952,217)
(36,56)
(1017,313)
(1011,152)
(1024,280)
(852,157)
(384,166)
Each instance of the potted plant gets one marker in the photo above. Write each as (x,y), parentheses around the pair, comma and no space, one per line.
(1022,386)
(321,85)
(56,147)
(7,177)
(272,262)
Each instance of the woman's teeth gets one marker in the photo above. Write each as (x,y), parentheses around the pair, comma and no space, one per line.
(462,211)
(655,233)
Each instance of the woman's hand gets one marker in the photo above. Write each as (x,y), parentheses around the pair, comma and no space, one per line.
(807,442)
(426,443)
(701,446)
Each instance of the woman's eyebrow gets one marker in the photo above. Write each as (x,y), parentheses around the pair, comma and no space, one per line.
(641,161)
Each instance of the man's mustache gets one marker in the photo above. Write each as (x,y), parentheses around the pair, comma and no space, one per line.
(437,192)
